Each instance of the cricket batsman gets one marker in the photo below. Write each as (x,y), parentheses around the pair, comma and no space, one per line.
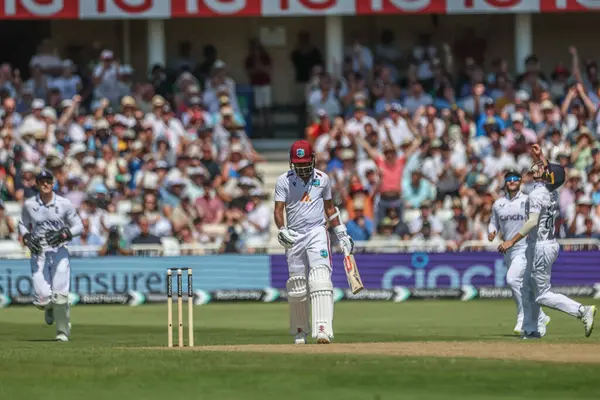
(48,222)
(508,217)
(305,194)
(542,250)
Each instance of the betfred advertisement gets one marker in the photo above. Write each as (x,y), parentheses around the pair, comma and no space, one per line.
(446,270)
(164,9)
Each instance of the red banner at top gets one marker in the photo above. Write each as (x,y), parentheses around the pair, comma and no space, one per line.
(147,9)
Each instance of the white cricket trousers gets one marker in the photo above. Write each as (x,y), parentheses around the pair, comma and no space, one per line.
(536,285)
(51,273)
(515,261)
(311,249)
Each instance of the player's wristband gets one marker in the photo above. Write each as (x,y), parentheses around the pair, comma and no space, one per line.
(340,230)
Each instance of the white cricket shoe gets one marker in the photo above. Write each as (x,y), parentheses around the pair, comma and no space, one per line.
(49,315)
(322,338)
(61,337)
(543,324)
(518,329)
(587,317)
(300,338)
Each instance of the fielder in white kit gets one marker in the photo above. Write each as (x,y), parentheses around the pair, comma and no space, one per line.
(305,194)
(508,217)
(542,250)
(48,222)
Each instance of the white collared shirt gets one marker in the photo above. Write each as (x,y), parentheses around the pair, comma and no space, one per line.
(38,218)
(304,201)
(508,216)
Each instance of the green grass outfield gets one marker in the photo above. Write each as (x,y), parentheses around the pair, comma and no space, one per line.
(101,363)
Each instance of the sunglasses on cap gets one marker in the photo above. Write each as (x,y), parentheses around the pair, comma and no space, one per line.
(512,178)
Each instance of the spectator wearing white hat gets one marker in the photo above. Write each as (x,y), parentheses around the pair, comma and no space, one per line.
(125,82)
(105,77)
(67,82)
(197,176)
(397,125)
(34,121)
(74,159)
(518,137)
(576,220)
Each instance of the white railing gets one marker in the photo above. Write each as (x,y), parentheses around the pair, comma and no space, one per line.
(572,244)
(374,246)
(371,246)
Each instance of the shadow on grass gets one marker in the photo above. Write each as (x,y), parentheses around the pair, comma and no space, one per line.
(125,336)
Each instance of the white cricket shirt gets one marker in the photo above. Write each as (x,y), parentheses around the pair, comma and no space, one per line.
(508,217)
(303,201)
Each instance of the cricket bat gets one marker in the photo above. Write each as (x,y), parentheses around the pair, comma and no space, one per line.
(352,274)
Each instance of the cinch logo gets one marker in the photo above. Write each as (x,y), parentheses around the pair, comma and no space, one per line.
(305,198)
(420,275)
(514,217)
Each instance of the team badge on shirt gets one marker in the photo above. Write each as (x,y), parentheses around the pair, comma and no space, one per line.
(324,253)
(300,153)
(317,183)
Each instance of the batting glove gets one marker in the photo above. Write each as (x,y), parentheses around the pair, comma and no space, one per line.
(32,243)
(287,237)
(346,242)
(55,238)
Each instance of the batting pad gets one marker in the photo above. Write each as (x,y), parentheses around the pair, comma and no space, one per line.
(321,299)
(298,301)
(61,313)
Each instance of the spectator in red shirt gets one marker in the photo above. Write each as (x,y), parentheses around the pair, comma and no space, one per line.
(259,69)
(209,206)
(322,125)
(391,168)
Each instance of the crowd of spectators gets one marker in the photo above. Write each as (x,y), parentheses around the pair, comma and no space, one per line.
(416,141)
(142,160)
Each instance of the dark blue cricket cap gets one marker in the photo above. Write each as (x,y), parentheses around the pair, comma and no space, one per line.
(557,176)
(44,175)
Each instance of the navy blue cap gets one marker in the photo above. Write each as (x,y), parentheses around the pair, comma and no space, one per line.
(557,176)
(44,174)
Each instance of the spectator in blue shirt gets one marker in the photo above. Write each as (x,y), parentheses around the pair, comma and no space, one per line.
(489,117)
(86,239)
(416,189)
(361,227)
